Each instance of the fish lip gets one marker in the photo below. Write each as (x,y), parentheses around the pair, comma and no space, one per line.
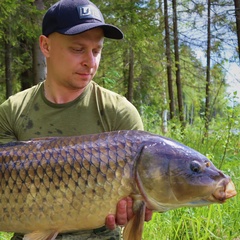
(224,190)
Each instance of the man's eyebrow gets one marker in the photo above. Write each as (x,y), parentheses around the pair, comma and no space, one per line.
(99,46)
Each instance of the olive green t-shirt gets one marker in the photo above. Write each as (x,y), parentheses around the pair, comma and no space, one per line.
(28,114)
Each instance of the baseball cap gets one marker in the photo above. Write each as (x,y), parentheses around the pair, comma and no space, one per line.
(72,17)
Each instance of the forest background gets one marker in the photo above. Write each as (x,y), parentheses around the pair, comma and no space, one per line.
(173,65)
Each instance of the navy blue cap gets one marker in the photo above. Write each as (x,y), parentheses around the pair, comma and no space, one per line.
(72,17)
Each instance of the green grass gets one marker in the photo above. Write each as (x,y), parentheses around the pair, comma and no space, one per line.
(5,236)
(217,221)
(203,223)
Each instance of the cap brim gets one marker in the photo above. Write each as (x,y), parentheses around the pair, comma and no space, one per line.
(110,31)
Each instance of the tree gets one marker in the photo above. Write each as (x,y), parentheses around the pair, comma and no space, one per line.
(208,67)
(7,29)
(177,64)
(8,63)
(169,61)
(39,65)
(237,12)
(130,77)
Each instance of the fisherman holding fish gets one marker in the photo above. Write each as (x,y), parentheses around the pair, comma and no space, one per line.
(69,102)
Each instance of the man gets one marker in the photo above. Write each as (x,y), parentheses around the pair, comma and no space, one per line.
(69,102)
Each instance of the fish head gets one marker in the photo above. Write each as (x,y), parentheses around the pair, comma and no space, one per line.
(171,175)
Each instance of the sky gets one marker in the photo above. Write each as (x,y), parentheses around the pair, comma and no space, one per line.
(232,75)
(233,79)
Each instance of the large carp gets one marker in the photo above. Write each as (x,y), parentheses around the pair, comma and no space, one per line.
(54,185)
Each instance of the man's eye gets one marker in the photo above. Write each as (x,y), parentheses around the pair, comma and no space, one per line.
(77,49)
(96,53)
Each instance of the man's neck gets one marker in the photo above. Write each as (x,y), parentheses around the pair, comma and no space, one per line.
(60,94)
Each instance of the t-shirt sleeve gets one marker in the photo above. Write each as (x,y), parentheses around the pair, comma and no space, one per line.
(10,112)
(127,118)
(6,125)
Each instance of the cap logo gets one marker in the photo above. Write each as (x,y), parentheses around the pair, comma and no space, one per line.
(89,11)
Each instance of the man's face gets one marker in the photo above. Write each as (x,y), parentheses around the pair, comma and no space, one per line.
(74,59)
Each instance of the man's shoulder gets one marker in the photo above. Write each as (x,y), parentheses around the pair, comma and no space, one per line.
(111,99)
(119,112)
(107,93)
(24,95)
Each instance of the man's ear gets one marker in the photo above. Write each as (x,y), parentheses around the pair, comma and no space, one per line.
(44,45)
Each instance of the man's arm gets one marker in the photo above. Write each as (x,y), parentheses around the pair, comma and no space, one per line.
(6,128)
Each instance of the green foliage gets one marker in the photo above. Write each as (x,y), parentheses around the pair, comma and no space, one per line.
(20,29)
(222,146)
(5,236)
(203,223)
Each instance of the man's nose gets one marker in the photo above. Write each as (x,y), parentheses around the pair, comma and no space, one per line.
(89,60)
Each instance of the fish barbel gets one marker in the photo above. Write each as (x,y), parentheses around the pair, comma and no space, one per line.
(64,184)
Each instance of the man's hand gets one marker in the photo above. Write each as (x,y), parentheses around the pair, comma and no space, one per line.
(124,213)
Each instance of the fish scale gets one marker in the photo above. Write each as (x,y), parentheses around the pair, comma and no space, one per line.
(64,184)
(43,174)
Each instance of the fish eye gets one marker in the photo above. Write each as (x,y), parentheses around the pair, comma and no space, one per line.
(195,166)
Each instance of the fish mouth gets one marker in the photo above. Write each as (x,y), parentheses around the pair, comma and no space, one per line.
(224,190)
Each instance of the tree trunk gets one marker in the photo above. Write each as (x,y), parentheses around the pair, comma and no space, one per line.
(125,58)
(26,79)
(169,61)
(177,65)
(164,126)
(26,76)
(39,64)
(208,80)
(237,12)
(131,58)
(130,75)
(8,58)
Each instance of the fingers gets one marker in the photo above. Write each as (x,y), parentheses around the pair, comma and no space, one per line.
(129,208)
(148,214)
(110,222)
(124,213)
(121,214)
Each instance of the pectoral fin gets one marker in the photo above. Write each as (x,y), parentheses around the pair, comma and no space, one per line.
(45,235)
(134,228)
